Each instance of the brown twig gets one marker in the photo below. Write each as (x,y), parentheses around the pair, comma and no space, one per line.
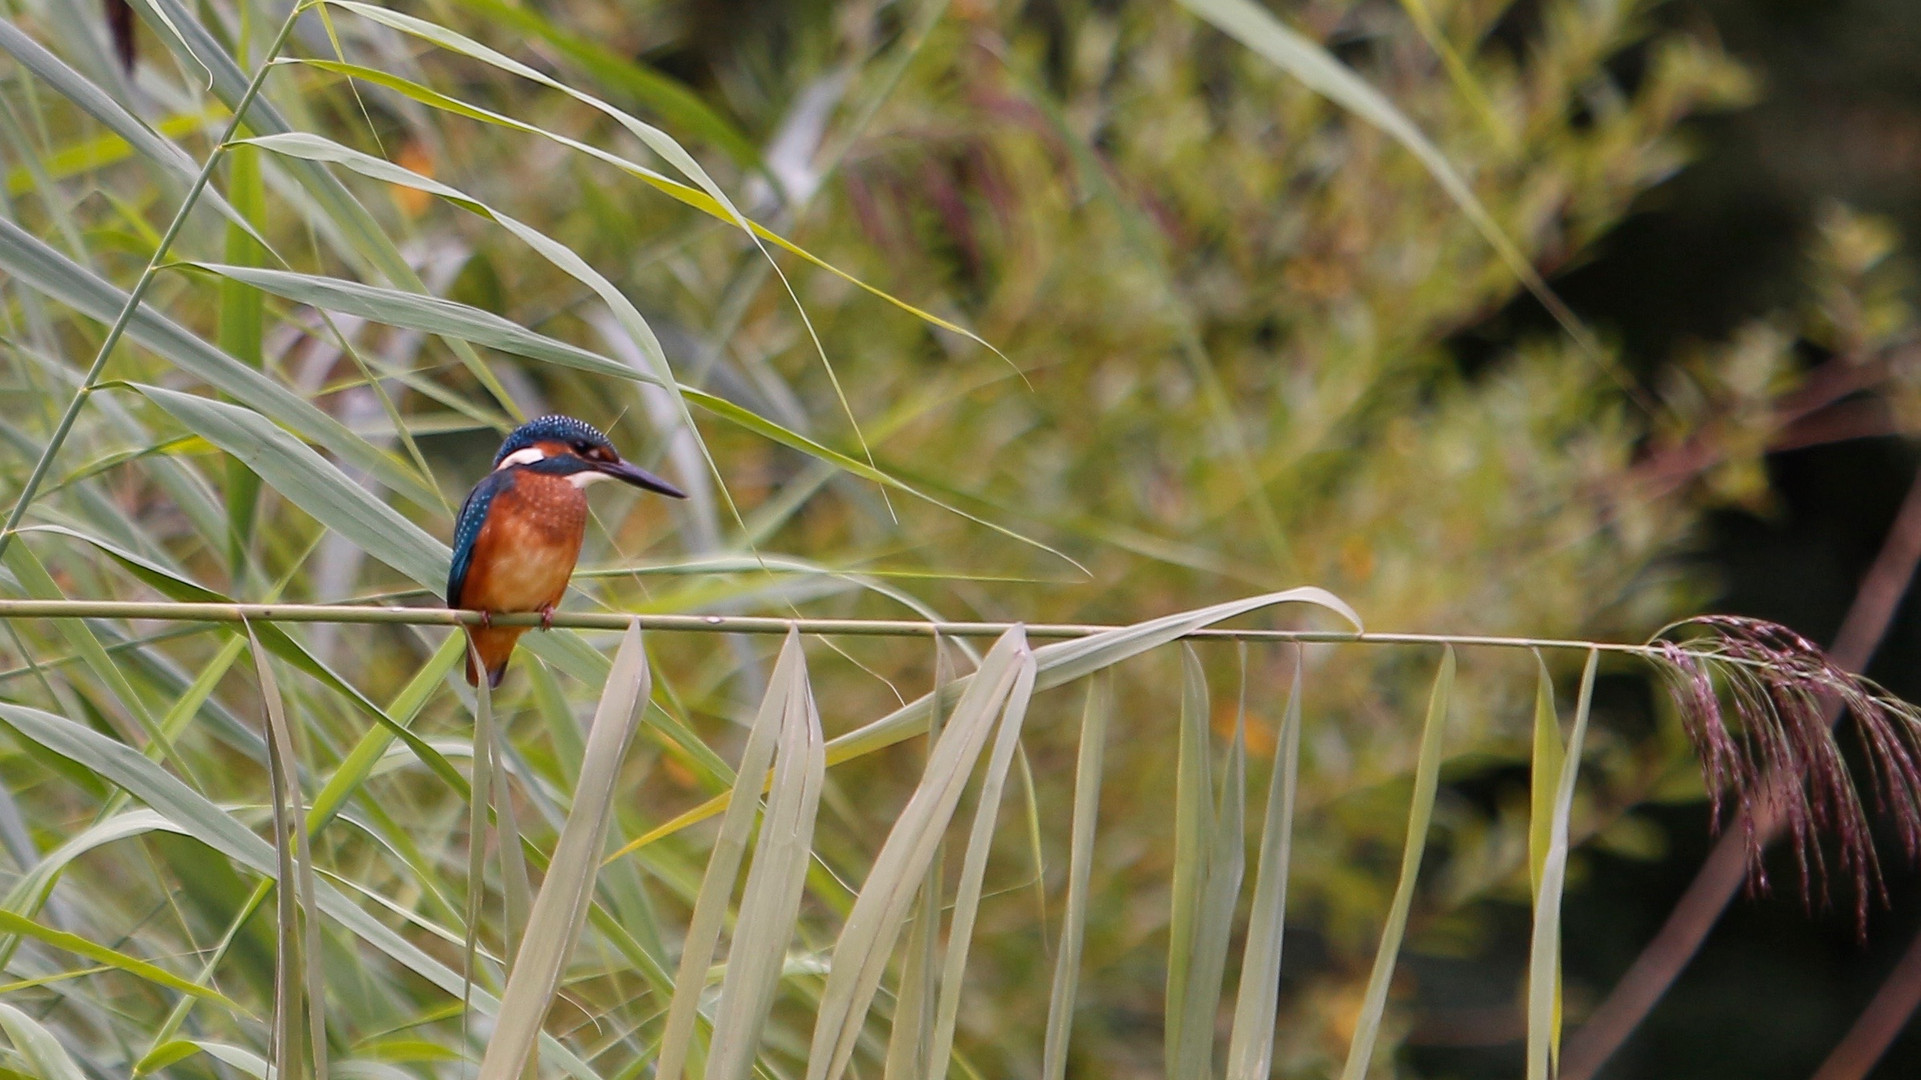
(1879,1023)
(1867,621)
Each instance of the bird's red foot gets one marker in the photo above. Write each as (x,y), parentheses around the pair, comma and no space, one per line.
(486,620)
(547,617)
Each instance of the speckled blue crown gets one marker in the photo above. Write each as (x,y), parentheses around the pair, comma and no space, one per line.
(555,428)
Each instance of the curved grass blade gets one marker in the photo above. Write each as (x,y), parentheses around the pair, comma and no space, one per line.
(1252,26)
(1544,950)
(793,440)
(1056,664)
(567,892)
(1427,773)
(770,901)
(420,312)
(46,270)
(42,1051)
(416,311)
(1250,1044)
(309,481)
(785,687)
(242,326)
(874,924)
(1088,767)
(656,140)
(11,923)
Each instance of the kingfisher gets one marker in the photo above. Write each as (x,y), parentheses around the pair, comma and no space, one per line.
(519,531)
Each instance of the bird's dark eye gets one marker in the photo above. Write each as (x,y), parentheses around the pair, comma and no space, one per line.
(583,449)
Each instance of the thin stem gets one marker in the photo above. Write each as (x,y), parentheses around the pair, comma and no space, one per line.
(139,291)
(728,624)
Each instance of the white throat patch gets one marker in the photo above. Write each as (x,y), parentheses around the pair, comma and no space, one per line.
(522,457)
(588,476)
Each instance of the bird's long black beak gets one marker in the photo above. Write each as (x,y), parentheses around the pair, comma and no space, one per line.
(639,477)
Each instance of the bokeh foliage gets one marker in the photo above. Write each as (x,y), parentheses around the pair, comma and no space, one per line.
(1231,324)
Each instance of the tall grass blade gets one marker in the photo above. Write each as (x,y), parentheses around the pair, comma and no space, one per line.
(1427,773)
(297,974)
(1544,779)
(910,1037)
(516,887)
(567,892)
(1544,950)
(1193,832)
(242,325)
(1080,859)
(482,771)
(1209,860)
(967,890)
(770,901)
(787,685)
(874,924)
(1250,1044)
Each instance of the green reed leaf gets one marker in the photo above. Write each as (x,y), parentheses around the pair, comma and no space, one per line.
(1427,773)
(1544,949)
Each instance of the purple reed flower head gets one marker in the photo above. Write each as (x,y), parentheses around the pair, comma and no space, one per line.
(1760,703)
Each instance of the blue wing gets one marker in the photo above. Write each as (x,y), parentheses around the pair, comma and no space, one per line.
(473,514)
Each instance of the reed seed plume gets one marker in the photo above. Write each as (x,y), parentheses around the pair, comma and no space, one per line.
(1760,703)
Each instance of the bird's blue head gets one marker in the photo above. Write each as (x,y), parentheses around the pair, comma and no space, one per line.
(578,435)
(563,446)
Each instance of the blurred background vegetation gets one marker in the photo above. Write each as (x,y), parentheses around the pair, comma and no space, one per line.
(1247,342)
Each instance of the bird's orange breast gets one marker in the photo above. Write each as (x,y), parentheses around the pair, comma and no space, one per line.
(527,549)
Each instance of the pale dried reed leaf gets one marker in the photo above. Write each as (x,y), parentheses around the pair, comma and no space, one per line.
(1250,1045)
